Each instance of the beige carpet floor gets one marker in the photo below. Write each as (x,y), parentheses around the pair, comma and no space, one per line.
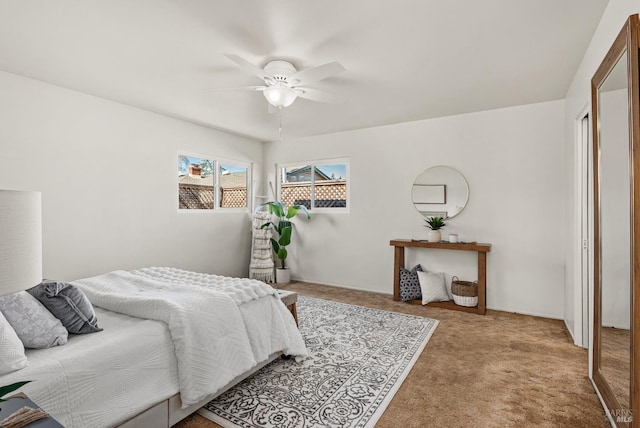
(496,370)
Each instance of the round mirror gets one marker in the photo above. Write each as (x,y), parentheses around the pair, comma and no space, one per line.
(440,191)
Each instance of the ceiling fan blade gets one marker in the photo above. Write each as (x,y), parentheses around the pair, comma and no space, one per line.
(316,95)
(251,68)
(314,74)
(238,88)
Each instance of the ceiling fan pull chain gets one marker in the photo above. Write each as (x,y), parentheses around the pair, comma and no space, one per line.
(280,124)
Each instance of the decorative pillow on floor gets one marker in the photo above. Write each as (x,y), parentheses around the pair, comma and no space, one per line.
(68,304)
(33,323)
(433,287)
(11,349)
(409,284)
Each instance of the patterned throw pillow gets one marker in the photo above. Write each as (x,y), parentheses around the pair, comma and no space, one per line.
(11,349)
(33,323)
(433,286)
(68,304)
(409,284)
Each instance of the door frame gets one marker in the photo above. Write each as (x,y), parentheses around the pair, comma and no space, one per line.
(583,227)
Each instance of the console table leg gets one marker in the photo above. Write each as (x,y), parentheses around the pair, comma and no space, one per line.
(397,265)
(482,283)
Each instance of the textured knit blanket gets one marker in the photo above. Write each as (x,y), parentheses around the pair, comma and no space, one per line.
(211,342)
(261,266)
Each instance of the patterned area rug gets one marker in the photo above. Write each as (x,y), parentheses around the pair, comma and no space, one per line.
(358,359)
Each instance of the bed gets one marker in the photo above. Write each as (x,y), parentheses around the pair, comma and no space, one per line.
(134,372)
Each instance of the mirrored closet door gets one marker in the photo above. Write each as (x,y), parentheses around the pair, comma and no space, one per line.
(616,132)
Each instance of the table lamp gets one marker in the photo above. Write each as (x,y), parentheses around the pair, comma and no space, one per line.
(20,240)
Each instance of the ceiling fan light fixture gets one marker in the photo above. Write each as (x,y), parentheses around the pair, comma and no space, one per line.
(280,96)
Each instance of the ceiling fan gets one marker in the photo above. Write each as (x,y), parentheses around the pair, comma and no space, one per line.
(283,83)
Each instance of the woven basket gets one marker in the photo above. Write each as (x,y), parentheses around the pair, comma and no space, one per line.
(465,293)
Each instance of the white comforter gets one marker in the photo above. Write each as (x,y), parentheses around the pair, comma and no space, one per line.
(211,341)
(102,379)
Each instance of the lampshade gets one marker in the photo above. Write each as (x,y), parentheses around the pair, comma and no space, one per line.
(20,240)
(280,96)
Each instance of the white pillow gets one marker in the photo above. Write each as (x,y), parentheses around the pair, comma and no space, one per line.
(433,287)
(11,349)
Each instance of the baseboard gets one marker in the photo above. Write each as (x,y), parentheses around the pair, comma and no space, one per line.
(521,312)
(571,334)
(329,284)
(604,405)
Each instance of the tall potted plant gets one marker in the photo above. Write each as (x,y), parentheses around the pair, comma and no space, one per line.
(283,230)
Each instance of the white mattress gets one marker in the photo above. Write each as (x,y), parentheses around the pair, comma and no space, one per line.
(102,379)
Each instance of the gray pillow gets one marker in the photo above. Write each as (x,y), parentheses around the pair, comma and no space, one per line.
(68,304)
(409,284)
(33,323)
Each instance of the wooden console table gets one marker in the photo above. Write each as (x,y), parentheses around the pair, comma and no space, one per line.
(481,249)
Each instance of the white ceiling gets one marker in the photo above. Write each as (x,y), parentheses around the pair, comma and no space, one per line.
(405,59)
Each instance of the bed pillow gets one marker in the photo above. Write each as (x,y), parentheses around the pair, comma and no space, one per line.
(33,323)
(11,349)
(409,284)
(68,304)
(433,287)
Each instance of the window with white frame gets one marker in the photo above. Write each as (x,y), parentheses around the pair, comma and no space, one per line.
(233,185)
(208,183)
(318,185)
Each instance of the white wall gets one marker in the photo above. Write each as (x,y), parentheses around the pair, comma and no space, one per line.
(107,173)
(513,159)
(577,99)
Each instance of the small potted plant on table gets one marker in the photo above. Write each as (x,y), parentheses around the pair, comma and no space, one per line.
(435,224)
(283,228)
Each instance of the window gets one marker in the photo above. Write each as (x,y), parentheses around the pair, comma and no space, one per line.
(319,185)
(206,183)
(233,186)
(196,183)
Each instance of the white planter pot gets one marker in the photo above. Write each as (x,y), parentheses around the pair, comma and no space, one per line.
(434,236)
(283,276)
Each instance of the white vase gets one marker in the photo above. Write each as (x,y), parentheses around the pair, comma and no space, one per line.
(434,236)
(283,275)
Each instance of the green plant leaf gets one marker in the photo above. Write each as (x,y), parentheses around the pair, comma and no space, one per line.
(282,255)
(277,209)
(285,236)
(435,223)
(275,245)
(304,210)
(282,224)
(268,224)
(4,390)
(292,211)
